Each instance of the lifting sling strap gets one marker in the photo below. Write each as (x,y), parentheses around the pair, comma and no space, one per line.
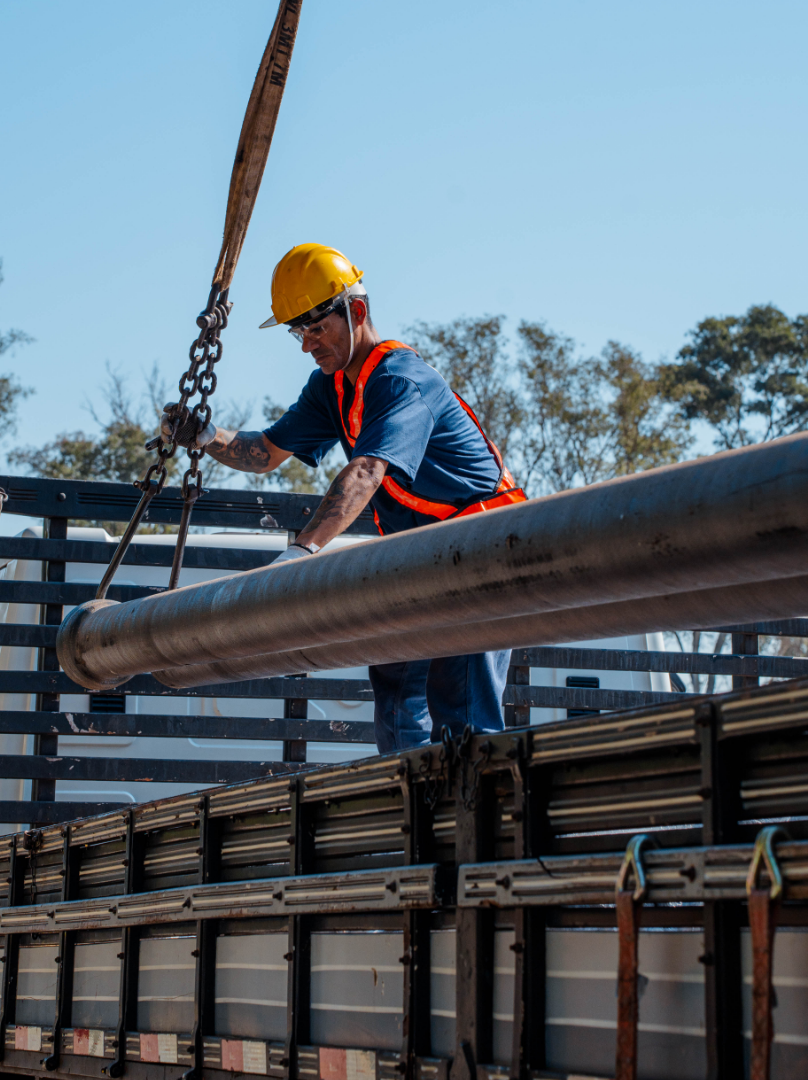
(248,168)
(506,490)
(628,905)
(764,906)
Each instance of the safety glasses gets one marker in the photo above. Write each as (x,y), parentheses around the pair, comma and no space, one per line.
(300,330)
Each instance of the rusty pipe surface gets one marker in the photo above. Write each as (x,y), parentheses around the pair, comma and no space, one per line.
(782,599)
(735,518)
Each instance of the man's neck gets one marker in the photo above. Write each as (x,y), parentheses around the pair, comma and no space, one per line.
(365,344)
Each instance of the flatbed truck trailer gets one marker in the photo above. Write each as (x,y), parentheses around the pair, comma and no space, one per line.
(447,912)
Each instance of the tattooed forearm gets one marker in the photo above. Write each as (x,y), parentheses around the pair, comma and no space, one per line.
(249,451)
(344,501)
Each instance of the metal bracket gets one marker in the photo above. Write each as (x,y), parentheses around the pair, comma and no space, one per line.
(764,853)
(633,861)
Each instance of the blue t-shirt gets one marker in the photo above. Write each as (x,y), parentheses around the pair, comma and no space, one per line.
(411,420)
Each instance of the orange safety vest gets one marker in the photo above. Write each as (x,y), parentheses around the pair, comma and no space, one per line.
(506,490)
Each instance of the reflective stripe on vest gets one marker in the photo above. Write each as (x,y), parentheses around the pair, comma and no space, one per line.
(506,491)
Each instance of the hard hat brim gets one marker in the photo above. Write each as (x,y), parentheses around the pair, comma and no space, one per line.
(348,292)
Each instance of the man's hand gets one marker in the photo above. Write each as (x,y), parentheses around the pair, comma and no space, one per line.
(185,427)
(294,551)
(345,500)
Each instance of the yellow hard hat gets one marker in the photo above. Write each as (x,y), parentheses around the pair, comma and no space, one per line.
(308,277)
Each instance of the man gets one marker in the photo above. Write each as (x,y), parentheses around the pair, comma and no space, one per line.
(415,452)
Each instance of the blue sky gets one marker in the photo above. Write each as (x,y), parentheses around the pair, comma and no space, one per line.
(617,170)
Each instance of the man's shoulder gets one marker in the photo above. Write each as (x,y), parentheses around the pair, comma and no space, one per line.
(319,384)
(407,364)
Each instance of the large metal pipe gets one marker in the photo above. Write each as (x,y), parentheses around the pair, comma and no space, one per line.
(731,519)
(780,599)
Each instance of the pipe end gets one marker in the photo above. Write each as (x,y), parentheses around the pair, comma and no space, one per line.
(68,648)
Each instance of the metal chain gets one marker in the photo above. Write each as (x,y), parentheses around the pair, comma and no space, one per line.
(200,378)
(470,787)
(32,842)
(434,787)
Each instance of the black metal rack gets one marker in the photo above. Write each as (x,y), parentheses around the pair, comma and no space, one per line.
(58,502)
(501,841)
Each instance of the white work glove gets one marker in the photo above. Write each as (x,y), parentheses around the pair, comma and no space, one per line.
(184,434)
(294,551)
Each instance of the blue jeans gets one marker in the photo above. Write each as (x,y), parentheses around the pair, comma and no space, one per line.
(416,698)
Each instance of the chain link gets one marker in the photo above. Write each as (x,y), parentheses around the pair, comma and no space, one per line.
(470,785)
(436,787)
(204,354)
(32,842)
(199,378)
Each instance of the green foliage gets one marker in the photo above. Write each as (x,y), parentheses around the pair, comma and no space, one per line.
(562,419)
(642,432)
(11,392)
(562,438)
(293,475)
(117,453)
(746,376)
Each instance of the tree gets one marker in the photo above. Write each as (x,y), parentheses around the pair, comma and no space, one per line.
(562,435)
(746,376)
(118,451)
(643,433)
(293,475)
(471,354)
(11,392)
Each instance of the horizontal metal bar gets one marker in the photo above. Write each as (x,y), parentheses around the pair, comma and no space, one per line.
(397,889)
(144,770)
(34,682)
(678,875)
(40,813)
(777,667)
(775,628)
(169,726)
(573,697)
(56,682)
(733,520)
(37,682)
(67,592)
(682,611)
(34,635)
(772,709)
(235,508)
(616,734)
(91,551)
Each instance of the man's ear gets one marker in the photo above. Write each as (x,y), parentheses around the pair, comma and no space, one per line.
(359,311)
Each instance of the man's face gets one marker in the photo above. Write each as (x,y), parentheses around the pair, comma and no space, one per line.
(329,342)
